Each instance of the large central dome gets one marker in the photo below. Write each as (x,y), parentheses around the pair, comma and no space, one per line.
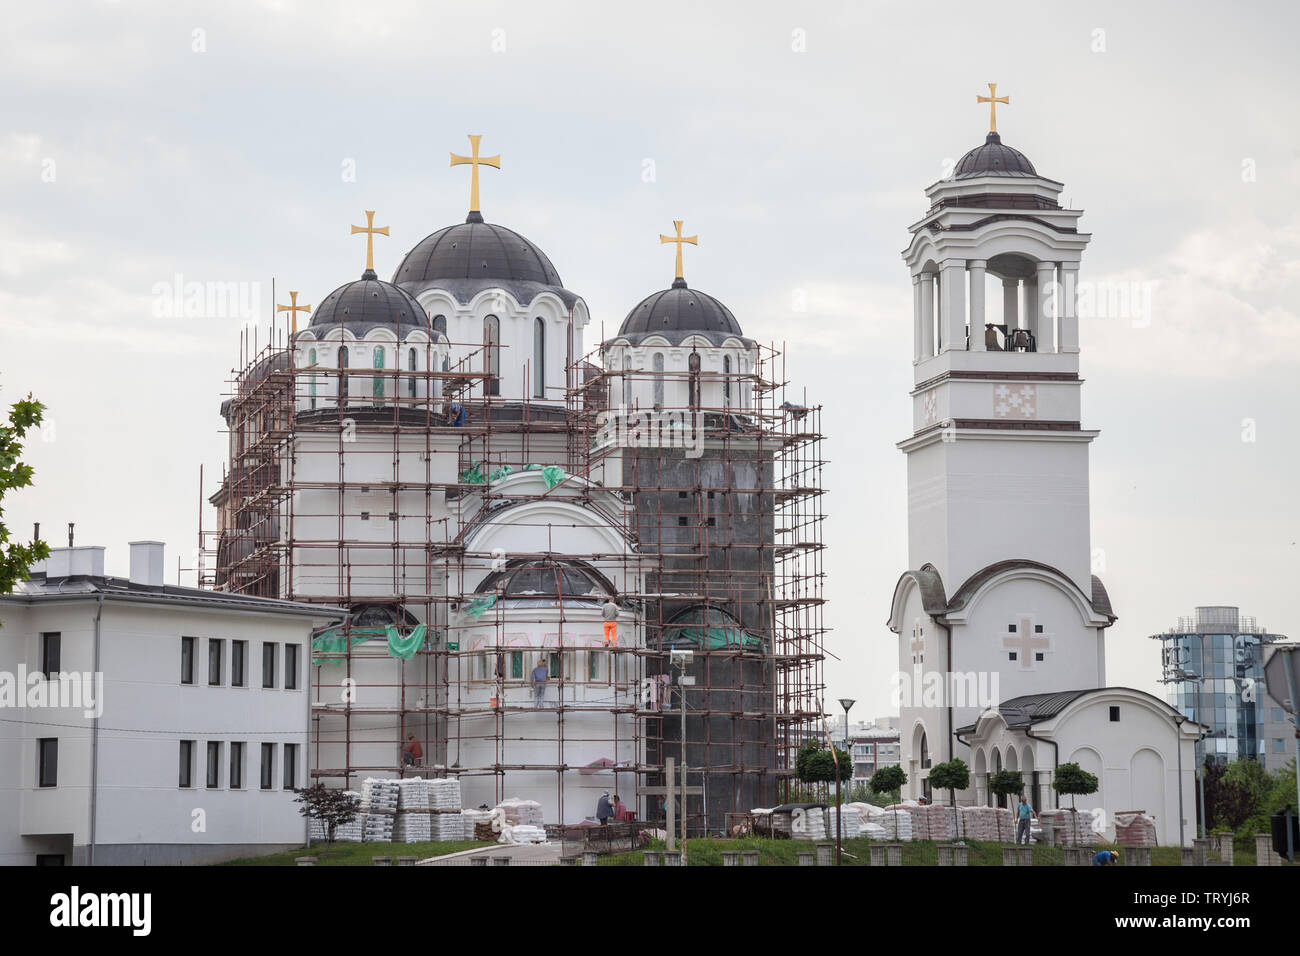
(993,159)
(473,255)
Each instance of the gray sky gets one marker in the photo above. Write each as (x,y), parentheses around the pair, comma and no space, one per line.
(129,157)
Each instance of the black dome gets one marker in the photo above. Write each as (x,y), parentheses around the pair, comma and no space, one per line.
(993,159)
(475,249)
(680,309)
(367,302)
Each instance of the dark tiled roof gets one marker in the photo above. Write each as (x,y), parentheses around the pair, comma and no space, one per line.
(680,310)
(366,303)
(1032,709)
(993,159)
(39,588)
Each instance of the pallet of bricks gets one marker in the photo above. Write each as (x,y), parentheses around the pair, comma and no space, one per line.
(1135,828)
(1072,829)
(379,798)
(987,824)
(931,822)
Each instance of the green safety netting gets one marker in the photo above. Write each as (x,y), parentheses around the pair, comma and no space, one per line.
(474,475)
(476,608)
(709,628)
(336,641)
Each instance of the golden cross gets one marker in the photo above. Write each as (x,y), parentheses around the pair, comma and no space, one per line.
(475,161)
(679,239)
(370,229)
(293,309)
(993,100)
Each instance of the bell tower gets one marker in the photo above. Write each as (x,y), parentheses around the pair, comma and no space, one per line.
(998,457)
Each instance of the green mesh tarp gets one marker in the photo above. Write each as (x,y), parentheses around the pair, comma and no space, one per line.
(500,473)
(476,608)
(334,641)
(473,475)
(553,474)
(711,638)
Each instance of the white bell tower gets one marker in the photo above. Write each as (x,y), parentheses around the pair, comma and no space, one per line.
(998,457)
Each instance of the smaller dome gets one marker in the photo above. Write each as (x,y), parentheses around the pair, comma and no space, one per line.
(680,310)
(367,302)
(993,159)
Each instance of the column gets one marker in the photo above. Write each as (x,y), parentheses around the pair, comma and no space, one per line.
(1046,281)
(917,353)
(1030,319)
(976,268)
(1011,304)
(927,314)
(952,307)
(1069,339)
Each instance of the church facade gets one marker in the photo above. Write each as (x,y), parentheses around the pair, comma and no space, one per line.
(1002,625)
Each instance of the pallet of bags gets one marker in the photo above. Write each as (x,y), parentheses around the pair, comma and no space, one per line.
(808,823)
(897,825)
(852,827)
(987,824)
(413,794)
(316,830)
(521,812)
(525,833)
(447,827)
(1134,828)
(444,794)
(377,827)
(379,793)
(412,827)
(1072,829)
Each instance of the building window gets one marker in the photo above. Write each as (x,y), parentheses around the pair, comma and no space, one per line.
(410,367)
(187,763)
(492,341)
(51,646)
(554,665)
(596,662)
(726,381)
(290,766)
(627,381)
(440,325)
(343,371)
(1038,655)
(268,766)
(1279,746)
(1011,655)
(516,665)
(539,358)
(1011,629)
(1038,629)
(214,661)
(311,382)
(659,379)
(693,370)
(1114,715)
(238,663)
(47,760)
(187,660)
(291,667)
(236,766)
(214,764)
(268,664)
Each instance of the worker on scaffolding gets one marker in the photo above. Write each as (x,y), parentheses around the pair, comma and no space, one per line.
(539,684)
(604,809)
(412,753)
(609,612)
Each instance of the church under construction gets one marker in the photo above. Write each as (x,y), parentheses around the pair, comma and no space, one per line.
(442,455)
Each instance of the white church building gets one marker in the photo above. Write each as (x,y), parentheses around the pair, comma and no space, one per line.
(1002,625)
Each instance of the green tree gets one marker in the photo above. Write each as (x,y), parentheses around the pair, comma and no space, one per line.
(333,807)
(1006,783)
(889,780)
(952,776)
(16,558)
(1074,781)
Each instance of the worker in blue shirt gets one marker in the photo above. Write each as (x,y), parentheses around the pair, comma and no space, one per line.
(1105,858)
(1024,813)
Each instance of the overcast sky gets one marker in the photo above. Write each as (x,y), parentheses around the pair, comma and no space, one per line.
(236,142)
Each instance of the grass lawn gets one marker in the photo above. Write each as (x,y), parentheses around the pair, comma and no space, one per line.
(359,854)
(708,852)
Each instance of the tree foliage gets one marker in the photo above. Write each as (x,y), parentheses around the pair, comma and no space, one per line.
(1074,781)
(1007,783)
(331,806)
(889,780)
(15,558)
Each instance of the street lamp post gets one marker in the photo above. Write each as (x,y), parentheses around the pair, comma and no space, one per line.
(846,703)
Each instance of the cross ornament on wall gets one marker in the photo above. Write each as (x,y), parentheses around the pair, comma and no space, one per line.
(1027,643)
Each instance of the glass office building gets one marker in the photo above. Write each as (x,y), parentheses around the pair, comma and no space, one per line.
(1214,667)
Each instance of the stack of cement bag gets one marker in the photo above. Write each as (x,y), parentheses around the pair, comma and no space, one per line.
(990,824)
(518,812)
(445,794)
(1072,829)
(527,834)
(412,824)
(1134,828)
(932,822)
(350,832)
(379,798)
(808,823)
(897,824)
(852,823)
(477,824)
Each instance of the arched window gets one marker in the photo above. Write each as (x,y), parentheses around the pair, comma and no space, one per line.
(726,381)
(377,387)
(693,368)
(539,358)
(440,324)
(492,341)
(410,367)
(627,381)
(659,379)
(343,371)
(311,362)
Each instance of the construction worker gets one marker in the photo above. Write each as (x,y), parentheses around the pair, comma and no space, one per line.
(412,753)
(1024,813)
(603,809)
(539,684)
(1106,858)
(609,611)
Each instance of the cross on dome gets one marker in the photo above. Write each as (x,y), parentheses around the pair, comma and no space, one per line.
(474,161)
